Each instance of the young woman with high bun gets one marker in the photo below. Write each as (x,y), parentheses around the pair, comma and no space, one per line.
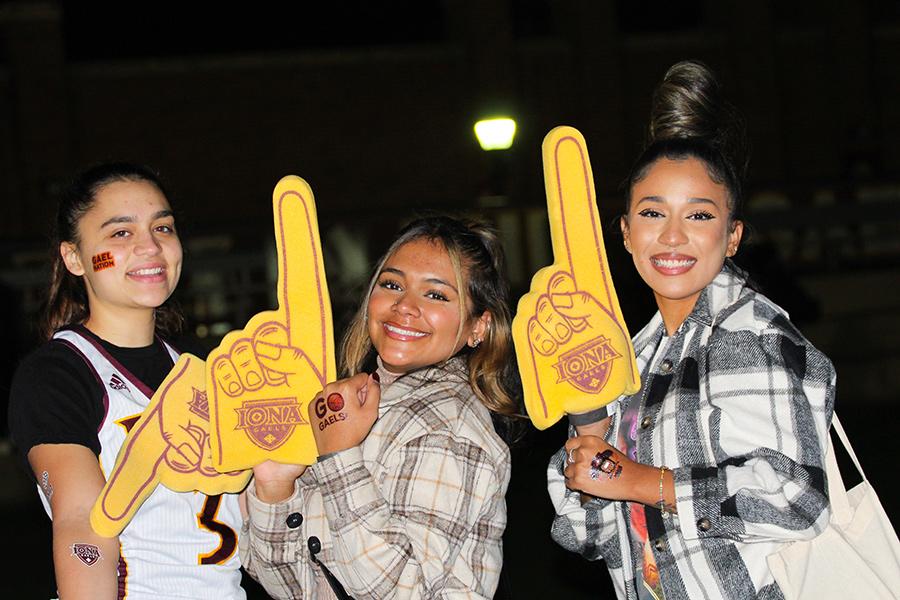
(719,458)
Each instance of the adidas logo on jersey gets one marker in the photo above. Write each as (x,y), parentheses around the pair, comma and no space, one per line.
(116,383)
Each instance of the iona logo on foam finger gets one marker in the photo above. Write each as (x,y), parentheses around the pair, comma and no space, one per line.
(269,423)
(588,366)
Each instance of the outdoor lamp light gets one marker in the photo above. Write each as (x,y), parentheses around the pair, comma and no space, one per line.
(495,134)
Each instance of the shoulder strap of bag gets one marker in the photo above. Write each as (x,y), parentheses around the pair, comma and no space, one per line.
(841,513)
(842,435)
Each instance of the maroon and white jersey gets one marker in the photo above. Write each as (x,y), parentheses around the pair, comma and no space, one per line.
(177,545)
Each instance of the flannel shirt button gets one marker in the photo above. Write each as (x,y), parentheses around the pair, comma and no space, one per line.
(667,366)
(660,545)
(704,524)
(294,520)
(645,422)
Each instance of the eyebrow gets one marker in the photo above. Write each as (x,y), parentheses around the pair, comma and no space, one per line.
(691,200)
(435,280)
(125,219)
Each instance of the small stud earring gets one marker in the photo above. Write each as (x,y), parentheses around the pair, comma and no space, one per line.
(476,342)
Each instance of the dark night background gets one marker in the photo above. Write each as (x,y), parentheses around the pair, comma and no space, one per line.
(373,104)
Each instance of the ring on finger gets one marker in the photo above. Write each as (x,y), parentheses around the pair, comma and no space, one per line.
(571,458)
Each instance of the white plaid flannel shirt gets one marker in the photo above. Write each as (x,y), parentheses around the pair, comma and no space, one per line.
(738,404)
(415,511)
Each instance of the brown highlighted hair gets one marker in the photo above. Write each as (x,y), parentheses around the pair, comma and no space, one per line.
(690,118)
(67,302)
(477,258)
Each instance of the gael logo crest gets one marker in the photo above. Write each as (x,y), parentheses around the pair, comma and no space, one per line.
(269,423)
(86,553)
(588,366)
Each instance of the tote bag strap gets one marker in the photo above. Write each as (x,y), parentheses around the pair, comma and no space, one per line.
(841,513)
(842,435)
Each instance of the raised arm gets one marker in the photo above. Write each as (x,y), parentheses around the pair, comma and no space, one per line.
(85,562)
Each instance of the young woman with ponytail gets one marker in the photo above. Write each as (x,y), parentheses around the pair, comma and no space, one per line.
(719,458)
(116,261)
(406,499)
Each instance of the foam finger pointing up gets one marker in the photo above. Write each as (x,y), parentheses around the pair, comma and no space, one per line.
(302,289)
(575,222)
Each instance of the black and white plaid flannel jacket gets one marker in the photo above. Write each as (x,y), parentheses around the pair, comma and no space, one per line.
(738,404)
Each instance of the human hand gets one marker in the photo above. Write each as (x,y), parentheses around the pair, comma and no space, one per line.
(596,468)
(572,345)
(169,444)
(343,413)
(274,481)
(261,377)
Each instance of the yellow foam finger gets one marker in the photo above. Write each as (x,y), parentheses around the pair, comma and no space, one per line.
(595,364)
(268,420)
(169,444)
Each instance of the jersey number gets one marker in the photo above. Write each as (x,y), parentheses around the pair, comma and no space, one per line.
(207,520)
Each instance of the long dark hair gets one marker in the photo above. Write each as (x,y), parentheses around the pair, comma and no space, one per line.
(690,118)
(477,257)
(67,301)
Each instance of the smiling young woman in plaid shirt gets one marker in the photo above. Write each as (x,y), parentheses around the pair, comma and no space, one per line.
(407,498)
(719,459)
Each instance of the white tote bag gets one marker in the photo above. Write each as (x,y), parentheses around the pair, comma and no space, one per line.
(858,554)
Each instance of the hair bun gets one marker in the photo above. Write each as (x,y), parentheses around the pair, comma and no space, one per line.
(688,104)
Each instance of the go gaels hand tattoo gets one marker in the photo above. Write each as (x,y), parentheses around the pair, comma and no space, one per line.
(89,554)
(335,404)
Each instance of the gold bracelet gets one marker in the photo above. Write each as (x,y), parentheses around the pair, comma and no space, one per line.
(662,500)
